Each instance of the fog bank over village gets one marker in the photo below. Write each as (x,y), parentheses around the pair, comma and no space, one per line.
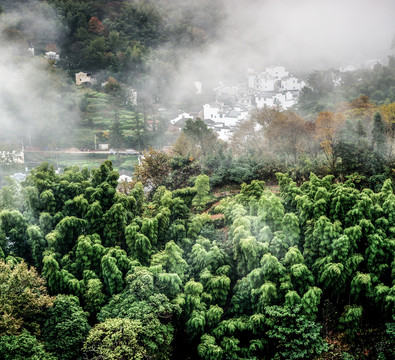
(296,37)
(302,36)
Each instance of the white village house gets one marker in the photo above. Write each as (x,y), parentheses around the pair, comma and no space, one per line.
(52,55)
(81,78)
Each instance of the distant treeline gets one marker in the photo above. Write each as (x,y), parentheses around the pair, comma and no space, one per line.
(326,90)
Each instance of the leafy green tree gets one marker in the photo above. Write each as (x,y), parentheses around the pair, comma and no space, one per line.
(294,336)
(290,229)
(66,328)
(247,251)
(23,347)
(139,246)
(208,349)
(217,285)
(310,301)
(203,137)
(66,233)
(271,211)
(202,190)
(23,298)
(88,254)
(301,277)
(361,286)
(115,339)
(205,254)
(94,297)
(192,297)
(293,257)
(45,222)
(14,226)
(253,190)
(141,302)
(268,295)
(113,278)
(47,201)
(350,320)
(271,268)
(115,219)
(37,243)
(94,216)
(51,272)
(323,235)
(333,276)
(171,259)
(76,207)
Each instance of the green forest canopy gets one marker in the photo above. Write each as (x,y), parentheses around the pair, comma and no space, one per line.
(305,273)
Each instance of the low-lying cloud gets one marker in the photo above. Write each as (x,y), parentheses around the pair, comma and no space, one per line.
(34,104)
(303,35)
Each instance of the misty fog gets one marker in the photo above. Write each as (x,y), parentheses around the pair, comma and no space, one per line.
(302,35)
(34,96)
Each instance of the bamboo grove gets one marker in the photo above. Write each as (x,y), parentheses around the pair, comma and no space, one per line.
(90,272)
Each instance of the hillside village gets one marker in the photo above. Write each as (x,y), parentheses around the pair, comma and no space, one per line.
(274,87)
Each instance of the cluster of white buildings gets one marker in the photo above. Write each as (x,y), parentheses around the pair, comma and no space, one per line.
(52,55)
(274,87)
(12,157)
(224,118)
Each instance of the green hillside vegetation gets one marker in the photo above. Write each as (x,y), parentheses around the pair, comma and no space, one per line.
(109,117)
(306,273)
(134,43)
(125,39)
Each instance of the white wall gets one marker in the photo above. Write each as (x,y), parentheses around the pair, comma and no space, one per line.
(212,112)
